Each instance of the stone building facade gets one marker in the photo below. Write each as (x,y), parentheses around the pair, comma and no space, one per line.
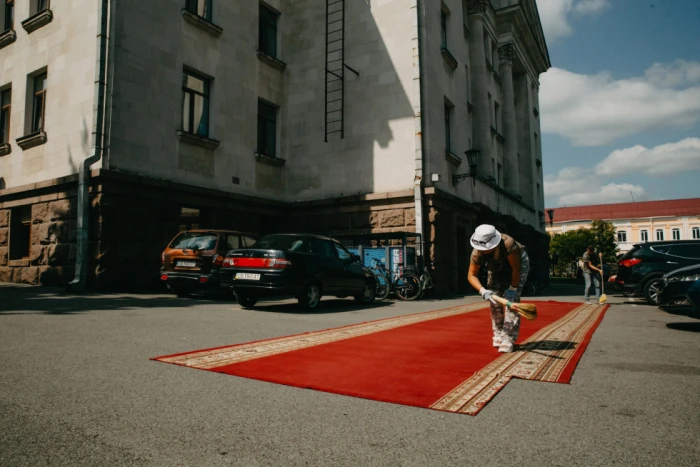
(216,114)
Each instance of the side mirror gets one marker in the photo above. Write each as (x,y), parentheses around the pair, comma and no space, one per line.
(356,258)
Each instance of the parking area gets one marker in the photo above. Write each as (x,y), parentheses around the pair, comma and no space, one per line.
(79,389)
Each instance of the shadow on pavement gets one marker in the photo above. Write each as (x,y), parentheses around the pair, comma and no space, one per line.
(19,299)
(540,347)
(689,327)
(327,306)
(682,311)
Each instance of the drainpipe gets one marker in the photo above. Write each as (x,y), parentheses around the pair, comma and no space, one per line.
(81,257)
(419,88)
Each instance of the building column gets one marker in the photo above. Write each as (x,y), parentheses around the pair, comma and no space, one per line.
(511,168)
(482,113)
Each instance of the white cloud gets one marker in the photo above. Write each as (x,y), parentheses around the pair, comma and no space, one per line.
(594,110)
(554,14)
(660,161)
(575,186)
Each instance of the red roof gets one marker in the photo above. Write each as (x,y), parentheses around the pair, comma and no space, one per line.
(672,207)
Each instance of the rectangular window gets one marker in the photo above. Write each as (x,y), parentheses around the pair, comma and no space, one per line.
(659,234)
(496,107)
(200,8)
(42,5)
(20,231)
(676,234)
(696,233)
(622,236)
(644,235)
(189,218)
(39,105)
(5,99)
(267,32)
(443,29)
(466,72)
(267,129)
(195,104)
(499,174)
(448,129)
(9,16)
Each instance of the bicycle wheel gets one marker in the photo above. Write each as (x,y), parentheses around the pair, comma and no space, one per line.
(383,287)
(407,287)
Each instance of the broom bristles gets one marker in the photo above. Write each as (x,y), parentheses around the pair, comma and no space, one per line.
(528,307)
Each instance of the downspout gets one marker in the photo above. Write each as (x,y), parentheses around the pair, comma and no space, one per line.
(420,159)
(81,257)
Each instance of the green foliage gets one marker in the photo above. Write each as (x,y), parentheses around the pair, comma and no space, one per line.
(566,248)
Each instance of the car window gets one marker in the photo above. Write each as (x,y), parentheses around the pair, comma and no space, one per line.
(249,241)
(661,248)
(323,248)
(342,252)
(194,241)
(233,242)
(686,251)
(284,242)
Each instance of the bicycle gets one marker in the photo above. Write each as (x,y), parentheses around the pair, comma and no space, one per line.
(381,276)
(410,286)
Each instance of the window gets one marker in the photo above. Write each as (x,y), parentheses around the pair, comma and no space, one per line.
(622,236)
(267,35)
(686,251)
(448,129)
(39,107)
(195,104)
(499,174)
(200,8)
(5,98)
(466,73)
(676,234)
(342,252)
(233,242)
(644,235)
(20,231)
(696,233)
(495,115)
(189,218)
(659,234)
(249,241)
(443,29)
(9,22)
(267,129)
(42,5)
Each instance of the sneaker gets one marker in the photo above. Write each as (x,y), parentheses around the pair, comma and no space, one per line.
(496,341)
(505,347)
(587,302)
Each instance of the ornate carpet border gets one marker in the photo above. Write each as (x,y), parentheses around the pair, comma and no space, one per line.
(542,357)
(213,358)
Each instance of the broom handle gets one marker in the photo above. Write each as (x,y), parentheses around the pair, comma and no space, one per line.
(602,275)
(503,301)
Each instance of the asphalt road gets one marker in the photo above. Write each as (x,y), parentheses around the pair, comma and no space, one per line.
(77,388)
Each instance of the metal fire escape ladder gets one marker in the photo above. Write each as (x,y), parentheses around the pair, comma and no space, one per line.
(335,68)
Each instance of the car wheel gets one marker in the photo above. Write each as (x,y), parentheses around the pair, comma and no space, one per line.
(246,300)
(368,293)
(310,297)
(652,290)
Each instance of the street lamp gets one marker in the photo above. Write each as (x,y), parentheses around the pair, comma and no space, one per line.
(473,159)
(550,213)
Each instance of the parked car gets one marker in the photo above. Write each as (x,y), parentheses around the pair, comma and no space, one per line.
(642,268)
(192,260)
(300,265)
(675,284)
(693,295)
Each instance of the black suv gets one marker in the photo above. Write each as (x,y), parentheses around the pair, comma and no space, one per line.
(642,268)
(300,265)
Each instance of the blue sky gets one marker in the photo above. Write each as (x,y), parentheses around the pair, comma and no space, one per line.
(620,107)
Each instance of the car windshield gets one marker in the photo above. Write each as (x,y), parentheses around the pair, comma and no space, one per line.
(284,243)
(194,241)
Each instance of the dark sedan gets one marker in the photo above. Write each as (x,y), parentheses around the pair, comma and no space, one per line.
(676,283)
(300,265)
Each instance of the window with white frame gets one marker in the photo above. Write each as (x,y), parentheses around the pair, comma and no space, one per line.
(696,233)
(644,235)
(5,100)
(659,234)
(9,15)
(195,103)
(201,8)
(676,233)
(622,236)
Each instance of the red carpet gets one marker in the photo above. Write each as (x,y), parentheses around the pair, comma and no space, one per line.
(440,359)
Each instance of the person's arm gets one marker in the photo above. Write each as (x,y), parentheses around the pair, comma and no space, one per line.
(472,277)
(591,266)
(514,260)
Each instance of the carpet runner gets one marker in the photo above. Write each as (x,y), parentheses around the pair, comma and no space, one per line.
(440,359)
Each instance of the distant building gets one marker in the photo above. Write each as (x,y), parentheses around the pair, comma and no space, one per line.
(677,219)
(326,117)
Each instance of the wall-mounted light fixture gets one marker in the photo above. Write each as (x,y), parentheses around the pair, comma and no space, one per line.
(473,159)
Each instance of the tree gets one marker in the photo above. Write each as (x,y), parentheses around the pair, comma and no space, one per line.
(566,248)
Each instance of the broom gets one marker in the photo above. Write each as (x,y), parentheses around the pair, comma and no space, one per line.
(603,297)
(526,310)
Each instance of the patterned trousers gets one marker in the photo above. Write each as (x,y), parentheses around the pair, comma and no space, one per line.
(506,323)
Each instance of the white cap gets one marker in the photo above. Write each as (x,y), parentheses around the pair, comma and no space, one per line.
(485,237)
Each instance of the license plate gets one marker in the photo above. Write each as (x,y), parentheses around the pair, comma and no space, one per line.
(247,276)
(186,264)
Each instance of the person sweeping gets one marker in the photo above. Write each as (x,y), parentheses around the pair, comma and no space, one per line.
(508,266)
